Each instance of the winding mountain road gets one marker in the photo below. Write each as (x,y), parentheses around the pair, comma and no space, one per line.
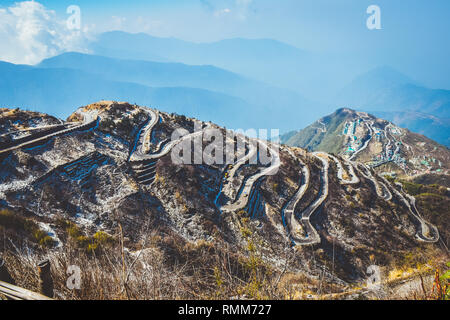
(143,164)
(323,129)
(288,213)
(243,199)
(312,234)
(144,167)
(228,188)
(369,126)
(289,217)
(141,147)
(425,227)
(381,188)
(90,121)
(340,173)
(428,232)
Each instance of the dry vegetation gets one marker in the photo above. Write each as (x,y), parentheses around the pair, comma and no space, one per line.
(166,269)
(170,268)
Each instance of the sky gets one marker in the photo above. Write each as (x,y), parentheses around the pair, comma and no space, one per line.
(413,31)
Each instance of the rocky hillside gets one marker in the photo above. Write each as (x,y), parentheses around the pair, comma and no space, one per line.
(359,136)
(310,221)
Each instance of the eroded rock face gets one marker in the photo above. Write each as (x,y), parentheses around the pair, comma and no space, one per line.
(86,177)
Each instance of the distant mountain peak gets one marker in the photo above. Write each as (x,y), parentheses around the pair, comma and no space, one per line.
(384,77)
(360,136)
(395,96)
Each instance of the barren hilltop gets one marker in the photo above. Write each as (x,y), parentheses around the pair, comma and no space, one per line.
(102,188)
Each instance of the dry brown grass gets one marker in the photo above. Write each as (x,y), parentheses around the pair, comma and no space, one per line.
(166,269)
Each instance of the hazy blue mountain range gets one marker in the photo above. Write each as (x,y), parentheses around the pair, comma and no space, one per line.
(271,61)
(394,96)
(243,56)
(56,90)
(333,78)
(385,89)
(72,79)
(265,98)
(433,127)
(366,87)
(235,83)
(336,80)
(319,76)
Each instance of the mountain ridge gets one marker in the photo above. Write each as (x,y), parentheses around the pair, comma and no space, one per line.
(156,74)
(86,183)
(43,90)
(399,98)
(374,141)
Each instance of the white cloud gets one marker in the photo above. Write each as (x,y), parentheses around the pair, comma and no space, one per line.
(221,12)
(238,9)
(242,8)
(118,22)
(29,33)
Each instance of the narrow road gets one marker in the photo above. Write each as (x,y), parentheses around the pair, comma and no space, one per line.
(354,178)
(243,199)
(143,164)
(90,121)
(424,234)
(324,127)
(50,126)
(381,188)
(139,152)
(228,188)
(288,213)
(369,126)
(312,236)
